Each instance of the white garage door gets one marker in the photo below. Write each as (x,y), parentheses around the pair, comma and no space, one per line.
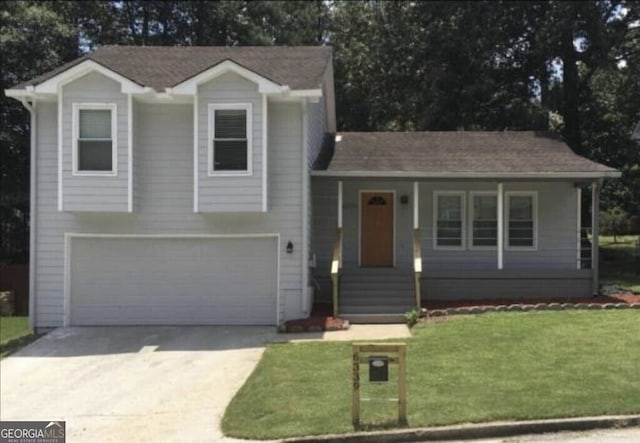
(173,281)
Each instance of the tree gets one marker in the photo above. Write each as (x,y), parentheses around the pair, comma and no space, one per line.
(615,222)
(33,39)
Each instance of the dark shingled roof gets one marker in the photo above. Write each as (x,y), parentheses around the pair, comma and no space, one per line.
(454,152)
(299,67)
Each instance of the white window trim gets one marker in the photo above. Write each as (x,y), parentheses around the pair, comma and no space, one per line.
(463,215)
(77,107)
(473,194)
(213,107)
(534,198)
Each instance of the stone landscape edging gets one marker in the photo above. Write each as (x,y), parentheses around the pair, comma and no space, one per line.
(518,307)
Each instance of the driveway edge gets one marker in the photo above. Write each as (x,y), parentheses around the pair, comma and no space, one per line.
(476,431)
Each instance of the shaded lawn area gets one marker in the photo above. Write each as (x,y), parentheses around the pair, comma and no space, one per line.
(617,265)
(503,366)
(14,333)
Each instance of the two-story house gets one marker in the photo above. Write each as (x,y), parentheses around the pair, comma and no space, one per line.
(208,185)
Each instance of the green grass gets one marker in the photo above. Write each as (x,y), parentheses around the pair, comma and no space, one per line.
(14,333)
(507,366)
(617,265)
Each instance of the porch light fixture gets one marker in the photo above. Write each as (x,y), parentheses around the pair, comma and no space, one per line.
(404,199)
(289,247)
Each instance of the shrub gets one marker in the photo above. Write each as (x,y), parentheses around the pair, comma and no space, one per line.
(412,317)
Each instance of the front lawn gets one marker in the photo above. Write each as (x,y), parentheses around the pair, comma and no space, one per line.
(14,333)
(505,366)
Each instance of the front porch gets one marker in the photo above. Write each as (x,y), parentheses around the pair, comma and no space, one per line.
(425,258)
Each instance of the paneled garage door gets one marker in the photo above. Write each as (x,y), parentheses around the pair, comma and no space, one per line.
(172,281)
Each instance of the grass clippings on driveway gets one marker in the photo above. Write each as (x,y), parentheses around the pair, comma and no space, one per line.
(14,333)
(506,366)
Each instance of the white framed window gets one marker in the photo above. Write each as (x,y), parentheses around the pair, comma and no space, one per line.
(449,220)
(483,220)
(95,140)
(522,220)
(230,139)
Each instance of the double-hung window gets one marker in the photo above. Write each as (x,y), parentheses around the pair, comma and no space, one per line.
(94,139)
(449,220)
(521,220)
(484,219)
(229,139)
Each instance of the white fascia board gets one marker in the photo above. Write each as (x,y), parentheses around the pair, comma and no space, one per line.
(190,86)
(51,85)
(470,175)
(19,93)
(308,93)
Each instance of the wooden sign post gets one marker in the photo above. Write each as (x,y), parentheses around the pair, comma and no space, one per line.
(391,353)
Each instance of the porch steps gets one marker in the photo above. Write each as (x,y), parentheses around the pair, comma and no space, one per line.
(375,295)
(369,319)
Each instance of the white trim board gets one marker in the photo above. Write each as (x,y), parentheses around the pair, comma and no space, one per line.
(68,236)
(463,216)
(470,175)
(471,212)
(534,196)
(130,152)
(265,127)
(196,152)
(389,191)
(76,107)
(52,85)
(190,86)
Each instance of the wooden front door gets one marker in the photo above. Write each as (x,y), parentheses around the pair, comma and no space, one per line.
(376,229)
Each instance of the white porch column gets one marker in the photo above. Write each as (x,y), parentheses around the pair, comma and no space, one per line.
(595,236)
(579,227)
(416,205)
(340,204)
(500,245)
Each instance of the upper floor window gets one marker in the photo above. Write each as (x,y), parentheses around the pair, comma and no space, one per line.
(521,220)
(94,138)
(229,139)
(449,220)
(484,219)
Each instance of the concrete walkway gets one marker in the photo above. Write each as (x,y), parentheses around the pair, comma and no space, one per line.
(354,333)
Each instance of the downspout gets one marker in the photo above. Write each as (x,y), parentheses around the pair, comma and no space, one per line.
(32,209)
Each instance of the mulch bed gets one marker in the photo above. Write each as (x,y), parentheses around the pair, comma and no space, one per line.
(321,319)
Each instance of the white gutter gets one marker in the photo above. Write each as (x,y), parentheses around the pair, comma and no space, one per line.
(32,210)
(468,175)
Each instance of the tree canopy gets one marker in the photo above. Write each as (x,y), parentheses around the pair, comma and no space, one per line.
(573,67)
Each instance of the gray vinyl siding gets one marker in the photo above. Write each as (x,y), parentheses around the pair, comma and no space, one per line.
(507,284)
(94,193)
(317,129)
(230,193)
(556,230)
(164,202)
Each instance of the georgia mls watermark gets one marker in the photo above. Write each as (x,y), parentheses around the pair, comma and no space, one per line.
(32,432)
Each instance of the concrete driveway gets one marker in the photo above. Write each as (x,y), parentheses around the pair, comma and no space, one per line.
(132,384)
